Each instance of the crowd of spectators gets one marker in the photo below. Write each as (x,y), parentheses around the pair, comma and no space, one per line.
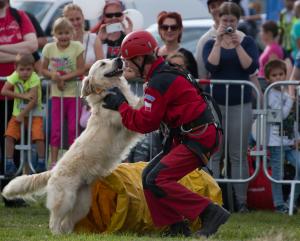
(231,50)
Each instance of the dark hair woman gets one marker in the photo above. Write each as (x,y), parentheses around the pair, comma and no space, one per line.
(170,30)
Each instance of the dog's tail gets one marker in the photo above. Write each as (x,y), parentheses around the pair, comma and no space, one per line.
(27,186)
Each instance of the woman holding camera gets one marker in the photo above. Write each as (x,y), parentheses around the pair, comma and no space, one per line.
(111,29)
(232,56)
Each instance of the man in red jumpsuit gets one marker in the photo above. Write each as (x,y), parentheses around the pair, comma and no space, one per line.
(171,99)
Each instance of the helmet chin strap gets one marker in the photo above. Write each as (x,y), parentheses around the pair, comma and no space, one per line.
(141,68)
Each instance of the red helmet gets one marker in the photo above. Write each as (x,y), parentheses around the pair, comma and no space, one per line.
(138,43)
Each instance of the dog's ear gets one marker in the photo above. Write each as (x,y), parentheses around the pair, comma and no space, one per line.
(86,87)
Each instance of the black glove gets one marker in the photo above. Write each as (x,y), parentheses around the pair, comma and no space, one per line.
(114,99)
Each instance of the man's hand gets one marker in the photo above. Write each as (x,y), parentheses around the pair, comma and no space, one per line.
(61,85)
(114,99)
(28,96)
(20,118)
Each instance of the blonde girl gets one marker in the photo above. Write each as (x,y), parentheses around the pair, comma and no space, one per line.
(63,62)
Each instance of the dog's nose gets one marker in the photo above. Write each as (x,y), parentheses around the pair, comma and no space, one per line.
(119,63)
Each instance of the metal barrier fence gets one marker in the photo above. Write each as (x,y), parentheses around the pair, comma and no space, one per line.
(261,112)
(242,163)
(271,116)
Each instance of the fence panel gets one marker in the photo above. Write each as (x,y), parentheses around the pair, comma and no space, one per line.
(274,120)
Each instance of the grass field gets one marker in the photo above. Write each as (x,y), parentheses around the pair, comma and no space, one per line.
(31,224)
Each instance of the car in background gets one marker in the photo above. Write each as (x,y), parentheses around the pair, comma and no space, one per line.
(193,29)
(47,11)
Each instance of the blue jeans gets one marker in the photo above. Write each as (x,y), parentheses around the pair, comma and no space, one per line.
(293,157)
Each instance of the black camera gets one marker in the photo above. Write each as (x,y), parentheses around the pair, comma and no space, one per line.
(229,29)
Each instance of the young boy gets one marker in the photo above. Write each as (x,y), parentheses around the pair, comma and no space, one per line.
(24,86)
(281,140)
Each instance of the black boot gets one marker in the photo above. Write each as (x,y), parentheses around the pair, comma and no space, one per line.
(212,218)
(178,229)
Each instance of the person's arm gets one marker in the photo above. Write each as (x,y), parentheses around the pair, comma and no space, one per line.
(78,72)
(248,55)
(27,46)
(30,105)
(207,50)
(7,58)
(8,90)
(244,58)
(215,54)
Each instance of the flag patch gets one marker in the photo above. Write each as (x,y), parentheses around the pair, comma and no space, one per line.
(149,97)
(148,106)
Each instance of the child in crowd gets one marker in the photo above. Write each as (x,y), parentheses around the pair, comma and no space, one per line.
(269,32)
(63,62)
(177,59)
(281,99)
(25,87)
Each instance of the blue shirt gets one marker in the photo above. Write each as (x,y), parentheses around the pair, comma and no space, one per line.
(230,68)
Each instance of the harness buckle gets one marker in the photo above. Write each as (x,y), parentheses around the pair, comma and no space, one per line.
(185,131)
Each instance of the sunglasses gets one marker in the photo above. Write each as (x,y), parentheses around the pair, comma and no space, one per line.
(111,15)
(167,27)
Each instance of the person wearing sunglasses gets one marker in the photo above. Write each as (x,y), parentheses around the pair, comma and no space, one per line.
(112,28)
(170,30)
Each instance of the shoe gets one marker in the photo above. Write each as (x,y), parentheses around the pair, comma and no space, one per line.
(10,169)
(243,208)
(212,218)
(282,209)
(178,229)
(40,167)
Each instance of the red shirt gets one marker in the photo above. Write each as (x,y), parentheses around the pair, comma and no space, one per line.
(11,33)
(169,98)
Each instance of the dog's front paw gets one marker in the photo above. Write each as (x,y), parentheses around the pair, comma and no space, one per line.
(67,226)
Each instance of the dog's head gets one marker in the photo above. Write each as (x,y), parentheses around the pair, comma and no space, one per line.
(103,74)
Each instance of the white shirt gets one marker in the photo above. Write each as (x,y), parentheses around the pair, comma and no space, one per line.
(283,102)
(89,40)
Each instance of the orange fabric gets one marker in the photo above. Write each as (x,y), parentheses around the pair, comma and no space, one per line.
(14,128)
(118,202)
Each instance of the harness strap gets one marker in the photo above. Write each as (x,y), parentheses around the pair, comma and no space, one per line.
(204,153)
(205,118)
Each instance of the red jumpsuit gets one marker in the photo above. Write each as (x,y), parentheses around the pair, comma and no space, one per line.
(171,99)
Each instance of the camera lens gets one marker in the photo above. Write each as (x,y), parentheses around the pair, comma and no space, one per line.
(229,30)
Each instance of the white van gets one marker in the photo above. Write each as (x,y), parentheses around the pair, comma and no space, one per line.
(46,11)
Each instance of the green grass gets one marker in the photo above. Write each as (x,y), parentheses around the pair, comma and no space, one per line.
(31,224)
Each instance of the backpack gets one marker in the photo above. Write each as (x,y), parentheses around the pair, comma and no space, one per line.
(209,100)
(15,13)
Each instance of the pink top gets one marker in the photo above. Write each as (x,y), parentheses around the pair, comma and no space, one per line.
(271,49)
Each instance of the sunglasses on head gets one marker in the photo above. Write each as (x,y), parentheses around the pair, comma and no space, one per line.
(167,27)
(111,15)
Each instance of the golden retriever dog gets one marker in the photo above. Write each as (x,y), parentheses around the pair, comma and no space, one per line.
(94,154)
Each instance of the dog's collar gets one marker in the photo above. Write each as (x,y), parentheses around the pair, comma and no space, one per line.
(96,89)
